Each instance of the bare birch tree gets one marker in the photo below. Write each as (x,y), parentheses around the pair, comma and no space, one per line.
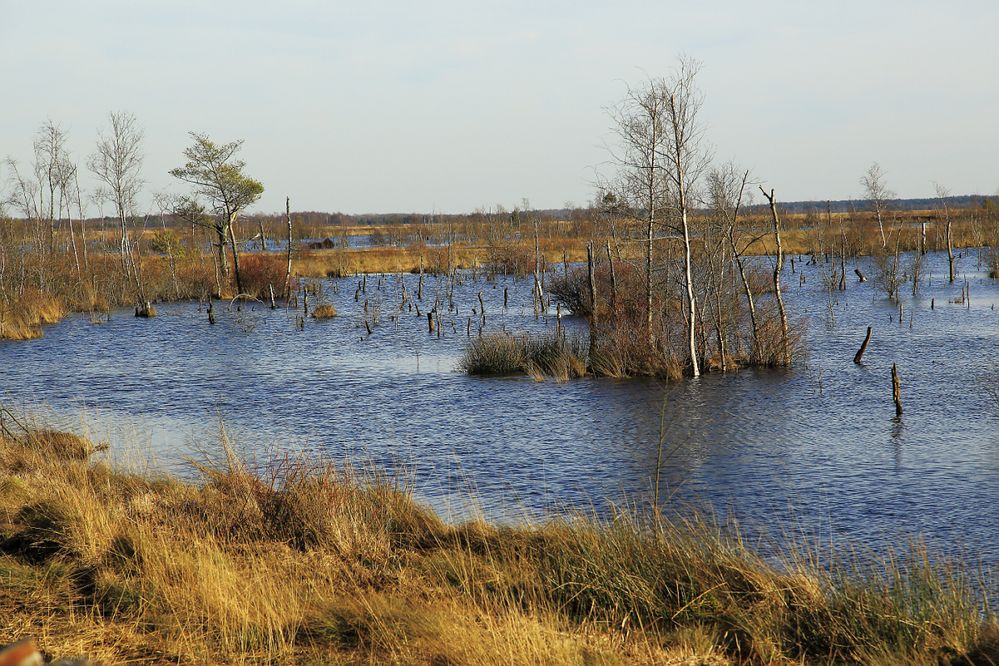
(878,195)
(778,267)
(50,163)
(660,156)
(726,190)
(942,194)
(641,125)
(22,198)
(117,162)
(687,158)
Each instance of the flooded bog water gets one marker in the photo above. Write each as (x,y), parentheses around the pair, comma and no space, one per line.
(817,446)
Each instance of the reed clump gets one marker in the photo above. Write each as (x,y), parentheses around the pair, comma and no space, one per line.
(552,354)
(494,354)
(307,561)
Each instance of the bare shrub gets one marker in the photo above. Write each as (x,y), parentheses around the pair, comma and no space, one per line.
(259,272)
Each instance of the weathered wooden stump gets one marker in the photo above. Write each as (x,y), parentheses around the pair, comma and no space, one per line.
(896,390)
(860,352)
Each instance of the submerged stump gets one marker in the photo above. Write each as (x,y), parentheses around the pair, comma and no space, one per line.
(859,357)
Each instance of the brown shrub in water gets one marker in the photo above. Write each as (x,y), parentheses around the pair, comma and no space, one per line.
(324,311)
(40,308)
(620,344)
(510,257)
(620,341)
(555,354)
(621,348)
(259,272)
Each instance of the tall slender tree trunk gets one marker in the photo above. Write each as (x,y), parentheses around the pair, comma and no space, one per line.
(688,271)
(591,274)
(749,296)
(223,262)
(72,239)
(778,266)
(52,213)
(950,245)
(740,264)
(235,253)
(218,272)
(128,261)
(648,282)
(689,284)
(122,223)
(83,223)
(287,275)
(648,246)
(538,289)
(613,279)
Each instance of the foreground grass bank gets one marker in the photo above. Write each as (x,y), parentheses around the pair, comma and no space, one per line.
(308,563)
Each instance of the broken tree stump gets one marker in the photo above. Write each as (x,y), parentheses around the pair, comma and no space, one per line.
(860,352)
(896,390)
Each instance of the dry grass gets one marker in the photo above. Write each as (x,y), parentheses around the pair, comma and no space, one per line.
(517,255)
(552,354)
(24,317)
(350,261)
(863,237)
(300,562)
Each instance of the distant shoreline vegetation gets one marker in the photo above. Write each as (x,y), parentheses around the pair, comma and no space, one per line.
(668,218)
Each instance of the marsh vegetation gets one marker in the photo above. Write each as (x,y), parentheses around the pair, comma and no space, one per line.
(391,334)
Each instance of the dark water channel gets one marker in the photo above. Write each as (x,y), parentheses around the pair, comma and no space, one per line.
(816,448)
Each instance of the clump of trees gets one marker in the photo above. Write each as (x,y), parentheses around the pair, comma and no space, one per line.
(63,248)
(695,301)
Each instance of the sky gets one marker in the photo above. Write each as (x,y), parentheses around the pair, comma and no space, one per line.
(458,105)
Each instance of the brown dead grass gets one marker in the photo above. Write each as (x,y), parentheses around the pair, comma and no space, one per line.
(517,255)
(24,317)
(350,261)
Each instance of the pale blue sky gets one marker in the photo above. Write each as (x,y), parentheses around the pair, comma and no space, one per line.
(405,106)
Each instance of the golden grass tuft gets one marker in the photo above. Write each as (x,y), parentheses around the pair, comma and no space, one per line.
(543,355)
(324,311)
